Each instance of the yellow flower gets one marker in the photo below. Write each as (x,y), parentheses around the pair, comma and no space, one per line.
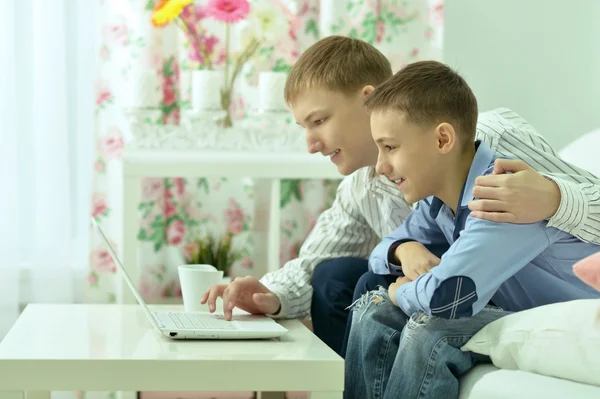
(166,11)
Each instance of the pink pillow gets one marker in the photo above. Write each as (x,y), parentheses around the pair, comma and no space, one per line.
(588,270)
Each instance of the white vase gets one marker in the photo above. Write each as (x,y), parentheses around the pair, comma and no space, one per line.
(206,89)
(329,15)
(143,91)
(271,87)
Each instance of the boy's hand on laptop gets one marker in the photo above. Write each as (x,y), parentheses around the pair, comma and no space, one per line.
(246,293)
(523,196)
(415,259)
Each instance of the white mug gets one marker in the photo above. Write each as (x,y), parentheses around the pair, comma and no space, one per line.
(195,280)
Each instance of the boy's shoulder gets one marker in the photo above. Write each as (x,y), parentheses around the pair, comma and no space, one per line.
(359,180)
(502,116)
(496,123)
(362,181)
(484,170)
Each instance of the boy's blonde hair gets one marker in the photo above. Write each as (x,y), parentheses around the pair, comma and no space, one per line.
(339,64)
(429,93)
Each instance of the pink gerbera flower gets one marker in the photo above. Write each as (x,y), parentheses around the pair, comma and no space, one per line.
(228,11)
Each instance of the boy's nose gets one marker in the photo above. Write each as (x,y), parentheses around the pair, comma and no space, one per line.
(313,143)
(382,167)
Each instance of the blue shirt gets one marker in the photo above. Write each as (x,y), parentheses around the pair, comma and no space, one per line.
(517,266)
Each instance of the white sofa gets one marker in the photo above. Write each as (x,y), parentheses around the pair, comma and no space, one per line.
(488,382)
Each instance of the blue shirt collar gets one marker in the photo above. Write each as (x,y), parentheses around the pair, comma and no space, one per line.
(484,157)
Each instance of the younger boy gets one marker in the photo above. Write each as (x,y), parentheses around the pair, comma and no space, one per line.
(405,342)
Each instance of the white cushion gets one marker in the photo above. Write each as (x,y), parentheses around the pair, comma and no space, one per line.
(560,340)
(583,152)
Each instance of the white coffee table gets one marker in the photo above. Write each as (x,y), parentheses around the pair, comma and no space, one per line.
(113,348)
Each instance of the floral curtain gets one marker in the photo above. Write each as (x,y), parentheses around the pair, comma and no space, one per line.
(174,210)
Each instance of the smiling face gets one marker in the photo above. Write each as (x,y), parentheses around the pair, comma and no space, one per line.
(337,126)
(424,120)
(408,154)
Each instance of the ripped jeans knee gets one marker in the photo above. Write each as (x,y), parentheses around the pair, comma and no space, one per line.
(363,304)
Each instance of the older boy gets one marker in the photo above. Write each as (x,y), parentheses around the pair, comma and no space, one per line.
(405,342)
(326,90)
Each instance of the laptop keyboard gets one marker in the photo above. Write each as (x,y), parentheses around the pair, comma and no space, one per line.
(199,322)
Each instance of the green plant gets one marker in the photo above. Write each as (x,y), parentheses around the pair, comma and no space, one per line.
(207,250)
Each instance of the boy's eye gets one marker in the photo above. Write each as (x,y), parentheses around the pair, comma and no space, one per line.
(319,121)
(388,147)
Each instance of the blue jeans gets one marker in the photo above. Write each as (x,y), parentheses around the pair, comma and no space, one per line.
(391,355)
(336,284)
(367,282)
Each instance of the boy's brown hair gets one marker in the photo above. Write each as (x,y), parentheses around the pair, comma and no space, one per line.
(337,63)
(429,92)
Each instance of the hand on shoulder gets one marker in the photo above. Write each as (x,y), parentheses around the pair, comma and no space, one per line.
(514,193)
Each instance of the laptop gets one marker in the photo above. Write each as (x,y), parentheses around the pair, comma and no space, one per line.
(200,325)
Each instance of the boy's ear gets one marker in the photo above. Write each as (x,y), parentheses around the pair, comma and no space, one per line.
(446,137)
(367,90)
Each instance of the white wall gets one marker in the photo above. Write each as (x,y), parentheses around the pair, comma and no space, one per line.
(539,57)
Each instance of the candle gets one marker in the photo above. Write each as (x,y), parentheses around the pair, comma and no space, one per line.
(142,90)
(271,86)
(328,16)
(206,89)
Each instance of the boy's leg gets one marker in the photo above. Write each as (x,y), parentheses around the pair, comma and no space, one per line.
(333,285)
(371,281)
(372,345)
(429,362)
(367,282)
(390,355)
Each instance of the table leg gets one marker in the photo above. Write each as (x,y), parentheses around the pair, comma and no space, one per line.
(127,395)
(131,199)
(326,395)
(274,235)
(37,395)
(267,194)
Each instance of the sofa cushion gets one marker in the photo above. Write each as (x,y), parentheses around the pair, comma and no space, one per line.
(583,152)
(560,340)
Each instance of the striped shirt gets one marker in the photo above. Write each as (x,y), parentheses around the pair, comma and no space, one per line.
(369,207)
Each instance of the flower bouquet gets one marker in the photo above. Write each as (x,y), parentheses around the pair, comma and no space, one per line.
(263,22)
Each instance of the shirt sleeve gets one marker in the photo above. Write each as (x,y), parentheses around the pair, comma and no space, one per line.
(484,257)
(579,210)
(340,231)
(419,226)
